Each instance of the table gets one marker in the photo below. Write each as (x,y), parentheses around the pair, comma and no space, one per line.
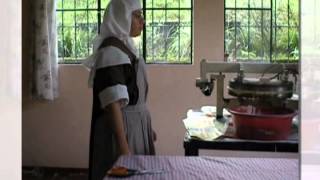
(192,146)
(230,142)
(208,168)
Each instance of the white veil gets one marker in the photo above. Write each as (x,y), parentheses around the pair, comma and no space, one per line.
(116,23)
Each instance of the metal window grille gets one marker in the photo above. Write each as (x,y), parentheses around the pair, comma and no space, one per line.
(77,24)
(168,33)
(259,30)
(167,36)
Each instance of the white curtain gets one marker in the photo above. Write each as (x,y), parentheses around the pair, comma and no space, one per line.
(44,52)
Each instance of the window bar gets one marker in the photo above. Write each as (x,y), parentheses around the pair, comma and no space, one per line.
(271,32)
(262,35)
(78,9)
(275,29)
(169,8)
(240,8)
(179,33)
(167,32)
(288,48)
(99,15)
(88,29)
(224,32)
(299,28)
(75,30)
(249,27)
(191,21)
(235,29)
(63,50)
(144,46)
(152,27)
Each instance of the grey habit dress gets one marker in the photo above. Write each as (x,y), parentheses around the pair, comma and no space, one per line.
(125,81)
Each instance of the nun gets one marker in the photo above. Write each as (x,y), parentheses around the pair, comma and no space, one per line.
(121,122)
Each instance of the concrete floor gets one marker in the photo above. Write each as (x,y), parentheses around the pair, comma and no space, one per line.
(45,174)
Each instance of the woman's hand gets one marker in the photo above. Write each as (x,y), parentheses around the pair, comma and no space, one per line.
(124,149)
(154,135)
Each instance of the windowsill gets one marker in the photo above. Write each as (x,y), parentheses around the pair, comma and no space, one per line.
(264,62)
(60,64)
(79,62)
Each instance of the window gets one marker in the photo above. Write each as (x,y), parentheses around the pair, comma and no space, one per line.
(262,30)
(168,31)
(78,22)
(167,37)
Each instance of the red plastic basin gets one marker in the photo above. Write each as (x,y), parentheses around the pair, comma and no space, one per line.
(262,124)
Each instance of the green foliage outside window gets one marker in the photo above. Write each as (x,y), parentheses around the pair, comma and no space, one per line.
(168,30)
(259,30)
(169,35)
(77,25)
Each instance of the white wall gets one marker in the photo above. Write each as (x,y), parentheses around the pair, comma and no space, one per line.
(10,89)
(57,134)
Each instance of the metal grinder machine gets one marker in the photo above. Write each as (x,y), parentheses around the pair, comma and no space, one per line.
(262,106)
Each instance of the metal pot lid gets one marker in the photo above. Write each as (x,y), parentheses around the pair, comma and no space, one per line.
(255,87)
